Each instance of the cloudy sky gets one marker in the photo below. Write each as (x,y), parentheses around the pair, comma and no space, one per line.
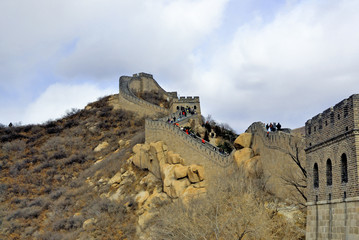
(248,60)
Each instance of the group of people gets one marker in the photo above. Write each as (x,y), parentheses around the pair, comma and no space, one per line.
(182,112)
(186,110)
(188,131)
(273,127)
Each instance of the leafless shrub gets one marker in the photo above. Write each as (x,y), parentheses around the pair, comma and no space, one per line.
(49,236)
(53,144)
(53,130)
(27,213)
(11,137)
(71,123)
(68,224)
(14,146)
(71,112)
(44,165)
(40,202)
(232,209)
(34,138)
(17,167)
(60,154)
(56,194)
(62,204)
(3,189)
(76,158)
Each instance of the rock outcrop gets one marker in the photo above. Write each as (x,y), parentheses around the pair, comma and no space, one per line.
(168,166)
(101,146)
(244,140)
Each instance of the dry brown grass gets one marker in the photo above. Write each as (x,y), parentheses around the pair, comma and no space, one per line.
(43,172)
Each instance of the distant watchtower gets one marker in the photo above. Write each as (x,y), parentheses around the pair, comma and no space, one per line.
(192,102)
(332,150)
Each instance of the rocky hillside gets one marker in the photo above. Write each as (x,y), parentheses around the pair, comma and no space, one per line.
(55,177)
(91,176)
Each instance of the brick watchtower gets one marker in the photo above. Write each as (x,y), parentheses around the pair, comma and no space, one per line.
(332,150)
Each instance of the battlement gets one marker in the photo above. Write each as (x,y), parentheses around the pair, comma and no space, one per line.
(187,99)
(178,140)
(273,140)
(333,122)
(142,74)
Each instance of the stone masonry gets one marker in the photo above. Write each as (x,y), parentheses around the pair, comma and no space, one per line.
(332,148)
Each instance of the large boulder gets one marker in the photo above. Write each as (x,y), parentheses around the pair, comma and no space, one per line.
(244,140)
(174,158)
(116,179)
(101,146)
(178,186)
(88,223)
(159,150)
(150,180)
(171,185)
(141,157)
(195,173)
(242,155)
(180,171)
(167,176)
(141,197)
(253,167)
(191,192)
(150,156)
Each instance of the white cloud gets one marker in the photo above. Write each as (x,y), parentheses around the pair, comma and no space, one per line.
(288,69)
(58,98)
(283,62)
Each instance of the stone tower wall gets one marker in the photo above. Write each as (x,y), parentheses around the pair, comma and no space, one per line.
(144,82)
(192,102)
(141,106)
(329,135)
(333,209)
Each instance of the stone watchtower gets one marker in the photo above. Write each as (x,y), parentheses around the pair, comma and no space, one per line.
(332,150)
(192,102)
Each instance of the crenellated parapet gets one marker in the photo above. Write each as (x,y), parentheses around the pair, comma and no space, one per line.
(188,146)
(335,122)
(274,140)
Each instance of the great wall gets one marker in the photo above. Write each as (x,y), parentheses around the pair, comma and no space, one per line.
(330,149)
(158,129)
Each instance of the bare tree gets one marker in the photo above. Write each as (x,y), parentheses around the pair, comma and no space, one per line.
(297,179)
(232,209)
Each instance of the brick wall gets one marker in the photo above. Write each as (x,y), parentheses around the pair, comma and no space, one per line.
(192,149)
(333,206)
(329,135)
(333,220)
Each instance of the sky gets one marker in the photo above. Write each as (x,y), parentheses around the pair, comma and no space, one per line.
(248,60)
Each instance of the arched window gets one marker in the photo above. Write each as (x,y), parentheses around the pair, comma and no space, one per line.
(315,176)
(329,173)
(195,107)
(344,167)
